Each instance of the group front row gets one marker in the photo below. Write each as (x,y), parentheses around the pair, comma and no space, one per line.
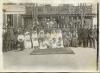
(41,40)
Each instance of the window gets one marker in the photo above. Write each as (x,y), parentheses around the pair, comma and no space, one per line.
(9,20)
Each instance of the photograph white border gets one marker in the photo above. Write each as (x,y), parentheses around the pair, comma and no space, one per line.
(36,1)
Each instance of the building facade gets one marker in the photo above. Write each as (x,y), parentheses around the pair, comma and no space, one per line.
(66,17)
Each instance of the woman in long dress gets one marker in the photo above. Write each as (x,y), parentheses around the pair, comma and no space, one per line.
(27,41)
(59,39)
(47,40)
(42,40)
(35,40)
(53,39)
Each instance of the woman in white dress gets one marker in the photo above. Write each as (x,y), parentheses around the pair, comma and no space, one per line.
(27,41)
(59,39)
(47,39)
(35,40)
(53,39)
(42,40)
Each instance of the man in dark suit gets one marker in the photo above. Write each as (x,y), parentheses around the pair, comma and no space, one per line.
(85,37)
(80,39)
(91,37)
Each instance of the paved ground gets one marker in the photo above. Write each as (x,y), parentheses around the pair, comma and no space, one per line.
(83,59)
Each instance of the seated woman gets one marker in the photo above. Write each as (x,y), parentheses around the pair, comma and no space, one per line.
(54,43)
(48,40)
(59,43)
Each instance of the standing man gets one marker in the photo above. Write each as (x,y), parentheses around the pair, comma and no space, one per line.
(4,42)
(15,40)
(80,40)
(74,39)
(9,39)
(95,36)
(91,38)
(85,36)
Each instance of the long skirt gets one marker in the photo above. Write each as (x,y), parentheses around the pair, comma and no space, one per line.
(35,43)
(27,44)
(43,45)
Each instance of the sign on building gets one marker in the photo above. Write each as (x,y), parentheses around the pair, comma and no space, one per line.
(14,9)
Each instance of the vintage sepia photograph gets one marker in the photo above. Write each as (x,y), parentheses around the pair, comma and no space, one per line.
(49,72)
(45,36)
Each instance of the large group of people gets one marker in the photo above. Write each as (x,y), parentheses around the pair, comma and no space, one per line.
(88,37)
(41,40)
(52,36)
(83,37)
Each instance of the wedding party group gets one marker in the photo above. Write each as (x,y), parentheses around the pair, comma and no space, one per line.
(47,26)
